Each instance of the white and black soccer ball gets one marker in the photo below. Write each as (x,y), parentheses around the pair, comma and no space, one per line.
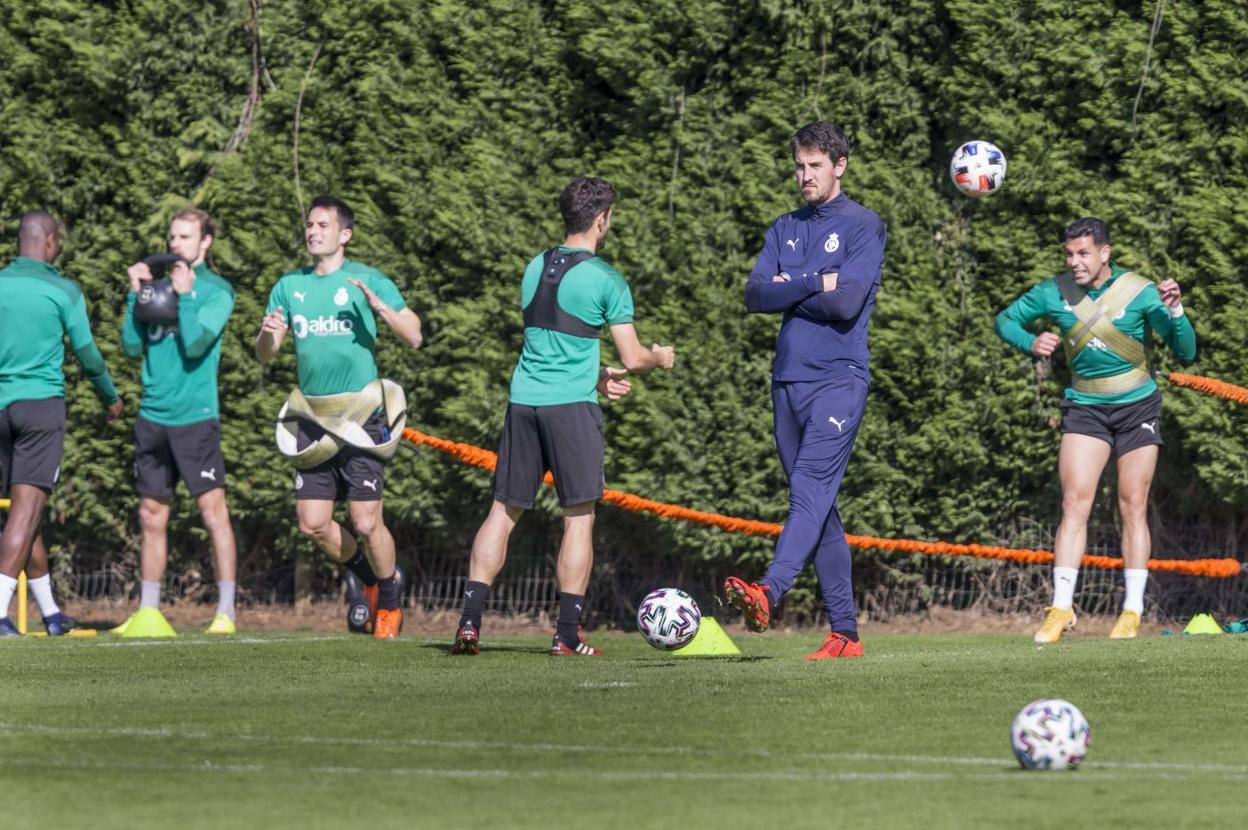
(977,168)
(1050,734)
(668,618)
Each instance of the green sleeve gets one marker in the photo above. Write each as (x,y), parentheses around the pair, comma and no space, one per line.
(278,299)
(78,329)
(618,301)
(131,329)
(1026,309)
(1176,331)
(200,331)
(385,288)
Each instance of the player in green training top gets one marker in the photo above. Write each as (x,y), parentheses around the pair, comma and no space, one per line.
(329,307)
(178,431)
(553,421)
(1112,408)
(39,309)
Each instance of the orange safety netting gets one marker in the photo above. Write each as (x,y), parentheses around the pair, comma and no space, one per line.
(486,459)
(1209,386)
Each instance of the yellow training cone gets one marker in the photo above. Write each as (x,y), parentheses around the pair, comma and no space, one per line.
(710,640)
(148,622)
(1203,624)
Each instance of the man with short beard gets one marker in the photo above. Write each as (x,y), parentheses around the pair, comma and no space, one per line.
(820,267)
(178,431)
(331,308)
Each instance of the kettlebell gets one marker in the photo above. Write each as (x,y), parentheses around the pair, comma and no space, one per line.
(157,302)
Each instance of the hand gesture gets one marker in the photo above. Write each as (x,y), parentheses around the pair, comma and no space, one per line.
(374,302)
(1170,293)
(829,280)
(1045,344)
(274,323)
(781,277)
(138,273)
(182,278)
(665,354)
(611,383)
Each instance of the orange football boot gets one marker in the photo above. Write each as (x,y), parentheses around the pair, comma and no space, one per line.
(836,646)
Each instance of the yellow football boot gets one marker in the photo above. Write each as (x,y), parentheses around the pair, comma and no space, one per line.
(1127,627)
(1055,622)
(221,624)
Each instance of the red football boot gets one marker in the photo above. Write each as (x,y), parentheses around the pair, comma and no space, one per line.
(752,600)
(836,646)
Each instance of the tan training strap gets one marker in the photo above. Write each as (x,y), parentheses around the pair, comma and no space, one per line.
(342,417)
(1095,321)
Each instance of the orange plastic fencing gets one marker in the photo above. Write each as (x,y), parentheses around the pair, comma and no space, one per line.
(486,459)
(1209,386)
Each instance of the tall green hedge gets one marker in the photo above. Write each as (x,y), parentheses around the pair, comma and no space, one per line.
(451,127)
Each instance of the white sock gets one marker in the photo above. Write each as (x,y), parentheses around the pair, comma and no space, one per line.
(7,586)
(1064,580)
(1136,579)
(42,589)
(149,595)
(225,598)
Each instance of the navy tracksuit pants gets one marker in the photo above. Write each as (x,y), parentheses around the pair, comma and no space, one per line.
(816,423)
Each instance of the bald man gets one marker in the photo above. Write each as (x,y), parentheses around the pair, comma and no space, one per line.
(39,309)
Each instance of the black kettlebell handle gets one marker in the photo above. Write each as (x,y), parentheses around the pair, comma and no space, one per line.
(163,262)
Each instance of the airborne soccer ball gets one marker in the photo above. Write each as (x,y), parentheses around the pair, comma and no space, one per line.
(668,618)
(977,168)
(1050,734)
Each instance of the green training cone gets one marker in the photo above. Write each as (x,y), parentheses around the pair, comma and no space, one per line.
(148,622)
(1203,624)
(710,640)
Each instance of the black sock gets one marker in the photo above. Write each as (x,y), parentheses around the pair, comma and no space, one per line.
(388,593)
(852,636)
(570,607)
(359,566)
(475,594)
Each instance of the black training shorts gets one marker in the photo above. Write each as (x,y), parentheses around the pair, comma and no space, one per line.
(164,454)
(32,443)
(352,474)
(565,439)
(1124,426)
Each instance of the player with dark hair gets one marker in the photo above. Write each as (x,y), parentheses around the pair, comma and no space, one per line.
(553,421)
(39,309)
(820,267)
(1112,407)
(178,431)
(342,422)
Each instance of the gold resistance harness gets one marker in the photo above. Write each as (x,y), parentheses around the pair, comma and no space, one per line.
(1095,321)
(342,417)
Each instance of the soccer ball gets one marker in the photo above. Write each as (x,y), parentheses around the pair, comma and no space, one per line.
(1050,734)
(977,168)
(668,618)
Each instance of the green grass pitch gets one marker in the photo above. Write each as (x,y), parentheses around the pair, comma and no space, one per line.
(307,732)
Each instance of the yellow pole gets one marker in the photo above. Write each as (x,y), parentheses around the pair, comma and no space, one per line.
(21,602)
(5,504)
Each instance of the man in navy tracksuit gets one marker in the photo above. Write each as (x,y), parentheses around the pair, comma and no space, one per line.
(820,267)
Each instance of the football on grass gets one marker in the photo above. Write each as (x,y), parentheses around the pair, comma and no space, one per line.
(668,618)
(1050,734)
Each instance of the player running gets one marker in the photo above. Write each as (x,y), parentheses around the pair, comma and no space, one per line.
(342,422)
(819,267)
(553,421)
(1111,408)
(39,309)
(178,431)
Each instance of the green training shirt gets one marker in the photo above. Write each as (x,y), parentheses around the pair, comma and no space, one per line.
(335,331)
(557,368)
(39,308)
(1096,360)
(180,362)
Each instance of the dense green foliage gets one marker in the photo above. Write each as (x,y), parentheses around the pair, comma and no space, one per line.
(451,127)
(298,732)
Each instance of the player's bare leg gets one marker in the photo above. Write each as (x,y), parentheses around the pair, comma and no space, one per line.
(489,553)
(1081,460)
(21,528)
(576,560)
(368,519)
(216,517)
(1135,478)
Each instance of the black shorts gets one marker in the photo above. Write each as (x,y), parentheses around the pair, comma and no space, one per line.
(352,474)
(32,443)
(565,439)
(191,452)
(1124,426)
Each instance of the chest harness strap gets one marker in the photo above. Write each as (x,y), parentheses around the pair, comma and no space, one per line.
(1095,321)
(341,418)
(543,311)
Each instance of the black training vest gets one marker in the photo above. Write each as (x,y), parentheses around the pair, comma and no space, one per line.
(543,311)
